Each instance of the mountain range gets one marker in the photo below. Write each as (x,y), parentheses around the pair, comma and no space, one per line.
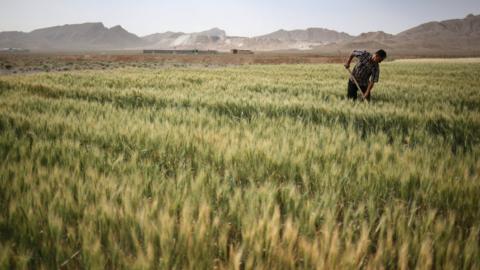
(458,35)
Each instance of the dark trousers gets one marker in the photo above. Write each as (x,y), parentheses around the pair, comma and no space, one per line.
(352,90)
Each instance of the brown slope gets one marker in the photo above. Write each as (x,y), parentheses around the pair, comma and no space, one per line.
(456,35)
(452,37)
(86,36)
(467,27)
(312,35)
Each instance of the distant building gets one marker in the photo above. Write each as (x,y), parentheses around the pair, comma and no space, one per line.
(237,51)
(195,51)
(13,50)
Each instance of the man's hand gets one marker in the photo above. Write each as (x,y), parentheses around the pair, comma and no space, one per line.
(369,90)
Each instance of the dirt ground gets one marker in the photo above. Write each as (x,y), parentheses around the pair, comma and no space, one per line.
(29,62)
(12,63)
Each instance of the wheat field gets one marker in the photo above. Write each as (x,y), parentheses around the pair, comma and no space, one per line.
(247,167)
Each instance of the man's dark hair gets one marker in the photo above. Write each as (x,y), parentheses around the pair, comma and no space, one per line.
(382,54)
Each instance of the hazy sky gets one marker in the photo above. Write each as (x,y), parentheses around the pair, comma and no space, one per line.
(245,18)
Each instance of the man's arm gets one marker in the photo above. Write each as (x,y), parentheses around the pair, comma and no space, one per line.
(355,53)
(373,79)
(347,64)
(369,89)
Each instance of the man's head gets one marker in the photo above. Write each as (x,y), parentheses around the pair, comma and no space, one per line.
(379,56)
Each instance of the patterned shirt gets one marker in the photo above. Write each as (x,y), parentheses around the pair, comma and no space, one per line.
(365,70)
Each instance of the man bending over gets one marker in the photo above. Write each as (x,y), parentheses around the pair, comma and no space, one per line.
(366,72)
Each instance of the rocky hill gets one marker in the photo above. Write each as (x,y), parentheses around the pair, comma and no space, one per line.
(86,36)
(312,35)
(450,37)
(458,36)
